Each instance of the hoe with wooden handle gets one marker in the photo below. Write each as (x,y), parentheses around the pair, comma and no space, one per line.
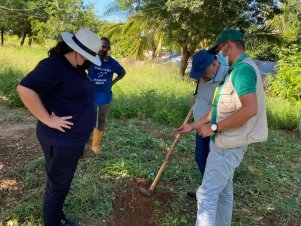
(149,191)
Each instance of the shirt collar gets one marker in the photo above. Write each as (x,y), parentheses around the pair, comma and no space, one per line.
(239,60)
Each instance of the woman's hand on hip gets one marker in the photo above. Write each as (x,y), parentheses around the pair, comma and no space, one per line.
(59,123)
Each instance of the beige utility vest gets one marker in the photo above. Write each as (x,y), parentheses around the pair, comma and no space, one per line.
(252,131)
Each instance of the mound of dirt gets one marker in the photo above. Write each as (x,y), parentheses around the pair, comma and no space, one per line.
(132,208)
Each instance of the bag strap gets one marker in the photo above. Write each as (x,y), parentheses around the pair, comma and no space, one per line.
(196,89)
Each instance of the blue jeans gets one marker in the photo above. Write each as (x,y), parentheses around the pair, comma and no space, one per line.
(215,195)
(201,152)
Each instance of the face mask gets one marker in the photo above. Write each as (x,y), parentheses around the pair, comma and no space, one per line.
(84,66)
(223,60)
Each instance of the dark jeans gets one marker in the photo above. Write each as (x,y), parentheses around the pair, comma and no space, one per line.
(201,152)
(60,165)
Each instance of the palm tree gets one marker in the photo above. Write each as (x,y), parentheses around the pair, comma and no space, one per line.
(147,35)
(186,33)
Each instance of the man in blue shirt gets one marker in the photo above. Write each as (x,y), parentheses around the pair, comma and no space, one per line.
(102,77)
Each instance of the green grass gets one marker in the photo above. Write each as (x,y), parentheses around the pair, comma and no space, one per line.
(148,103)
(153,91)
(267,184)
(268,181)
(23,58)
(148,90)
(283,114)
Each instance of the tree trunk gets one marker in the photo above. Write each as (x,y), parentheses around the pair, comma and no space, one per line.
(154,54)
(29,35)
(23,38)
(154,48)
(2,36)
(184,61)
(29,40)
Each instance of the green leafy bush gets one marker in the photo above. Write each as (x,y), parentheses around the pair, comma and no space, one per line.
(287,82)
(122,48)
(9,79)
(263,51)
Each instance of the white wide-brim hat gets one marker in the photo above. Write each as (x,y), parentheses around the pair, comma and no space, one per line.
(85,42)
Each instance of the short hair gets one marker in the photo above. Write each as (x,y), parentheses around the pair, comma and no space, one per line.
(239,44)
(106,39)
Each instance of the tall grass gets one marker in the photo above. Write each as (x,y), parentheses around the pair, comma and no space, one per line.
(267,187)
(21,58)
(283,114)
(154,91)
(148,90)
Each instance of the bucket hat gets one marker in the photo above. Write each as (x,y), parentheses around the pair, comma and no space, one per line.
(200,61)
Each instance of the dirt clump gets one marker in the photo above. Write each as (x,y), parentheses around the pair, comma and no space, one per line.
(132,208)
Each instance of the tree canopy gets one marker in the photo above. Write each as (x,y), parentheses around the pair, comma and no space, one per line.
(43,19)
(193,23)
(181,25)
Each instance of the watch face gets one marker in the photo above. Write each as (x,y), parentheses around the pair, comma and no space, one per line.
(213,127)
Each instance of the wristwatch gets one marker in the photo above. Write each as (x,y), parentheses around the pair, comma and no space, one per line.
(213,127)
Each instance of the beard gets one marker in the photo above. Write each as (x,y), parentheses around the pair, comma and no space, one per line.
(103,53)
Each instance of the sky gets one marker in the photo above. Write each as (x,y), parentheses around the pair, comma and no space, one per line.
(101,6)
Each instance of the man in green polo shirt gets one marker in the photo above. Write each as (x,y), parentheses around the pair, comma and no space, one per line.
(238,118)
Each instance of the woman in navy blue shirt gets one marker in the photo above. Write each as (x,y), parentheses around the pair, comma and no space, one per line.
(60,95)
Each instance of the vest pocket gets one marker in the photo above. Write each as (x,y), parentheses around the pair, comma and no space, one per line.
(226,100)
(234,132)
(226,104)
(235,136)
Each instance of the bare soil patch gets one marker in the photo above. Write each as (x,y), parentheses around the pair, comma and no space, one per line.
(18,146)
(132,208)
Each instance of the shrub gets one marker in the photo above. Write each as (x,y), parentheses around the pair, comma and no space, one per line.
(9,79)
(283,114)
(287,82)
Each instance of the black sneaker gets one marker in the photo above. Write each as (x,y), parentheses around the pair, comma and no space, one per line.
(68,223)
(191,195)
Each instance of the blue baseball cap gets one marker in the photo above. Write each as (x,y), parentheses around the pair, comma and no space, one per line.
(200,61)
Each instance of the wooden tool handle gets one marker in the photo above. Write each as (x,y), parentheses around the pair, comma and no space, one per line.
(171,149)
